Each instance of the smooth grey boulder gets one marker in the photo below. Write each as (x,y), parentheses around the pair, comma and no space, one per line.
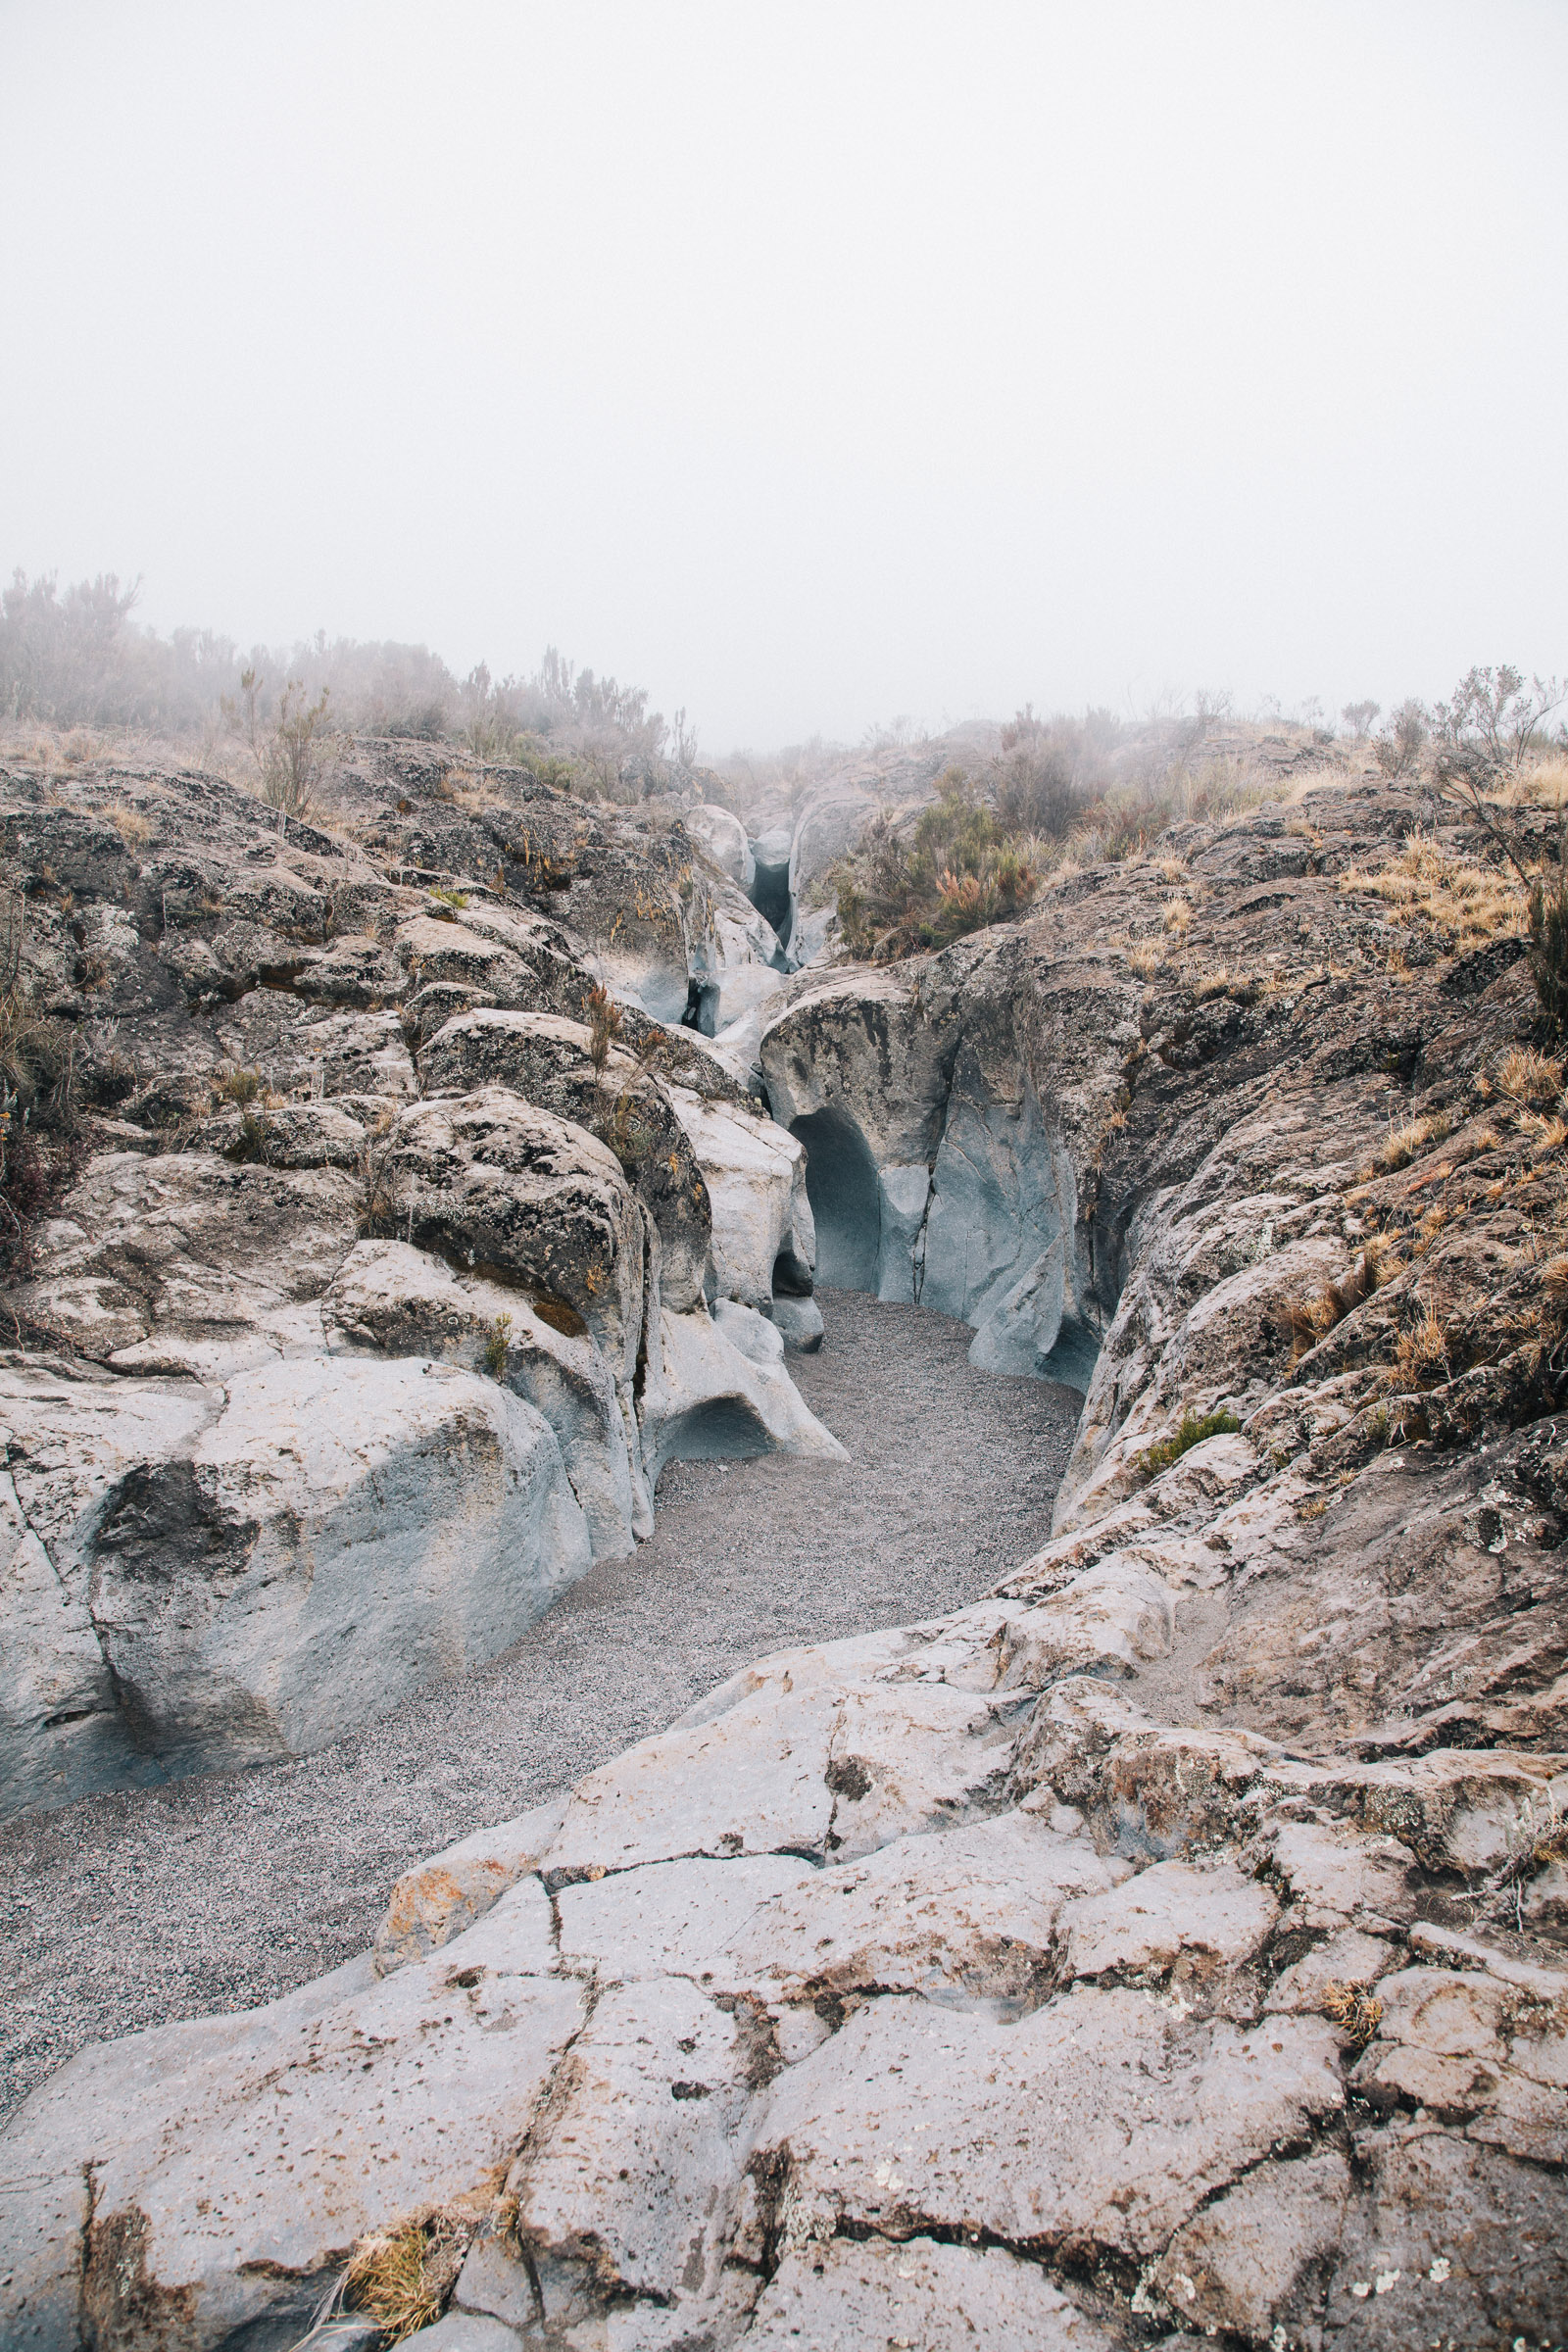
(755,1176)
(715,1386)
(722,837)
(339,1533)
(397,1300)
(799,1323)
(71,1435)
(202,1577)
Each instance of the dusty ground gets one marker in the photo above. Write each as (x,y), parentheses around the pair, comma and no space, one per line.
(126,1910)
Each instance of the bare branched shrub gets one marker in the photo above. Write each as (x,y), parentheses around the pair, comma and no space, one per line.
(605,1022)
(1495,713)
(294,755)
(1401,740)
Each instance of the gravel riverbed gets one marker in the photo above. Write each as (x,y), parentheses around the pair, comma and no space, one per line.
(126,1910)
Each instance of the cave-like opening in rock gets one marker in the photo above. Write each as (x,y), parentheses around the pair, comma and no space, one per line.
(841,1184)
(722,1429)
(701,1006)
(769,893)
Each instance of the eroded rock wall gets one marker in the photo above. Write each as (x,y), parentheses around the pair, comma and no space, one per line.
(1171,1947)
(376,1303)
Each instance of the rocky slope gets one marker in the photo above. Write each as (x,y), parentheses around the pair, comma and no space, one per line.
(1171,1947)
(382,1291)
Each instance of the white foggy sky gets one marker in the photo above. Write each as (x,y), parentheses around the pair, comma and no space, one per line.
(807,365)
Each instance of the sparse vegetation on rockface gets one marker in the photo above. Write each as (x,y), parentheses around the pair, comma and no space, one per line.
(1067,792)
(75,665)
(41,1148)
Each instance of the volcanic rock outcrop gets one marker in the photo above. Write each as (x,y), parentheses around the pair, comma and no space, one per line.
(377,1302)
(1170,1948)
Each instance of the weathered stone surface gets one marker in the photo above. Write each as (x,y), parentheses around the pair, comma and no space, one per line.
(756,1177)
(189,1265)
(1448,2239)
(1099,2123)
(1213,1918)
(634,2178)
(496,1186)
(680,1918)
(846,2296)
(1255,2259)
(500,956)
(1102,1924)
(205,1576)
(1482,2049)
(547,1060)
(441,1898)
(233,2159)
(972,1912)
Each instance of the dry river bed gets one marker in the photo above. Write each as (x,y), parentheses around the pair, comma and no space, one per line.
(123,1911)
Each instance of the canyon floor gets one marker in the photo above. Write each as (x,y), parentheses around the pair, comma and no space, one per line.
(213,1894)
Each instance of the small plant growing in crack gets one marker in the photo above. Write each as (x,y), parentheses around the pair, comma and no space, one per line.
(1354,2008)
(250,1144)
(1192,1430)
(496,1345)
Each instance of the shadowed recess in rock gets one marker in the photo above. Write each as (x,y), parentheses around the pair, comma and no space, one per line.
(841,1184)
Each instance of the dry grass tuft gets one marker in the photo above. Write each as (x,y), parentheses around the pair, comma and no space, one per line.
(1144,959)
(1541,783)
(1401,1143)
(1428,884)
(1354,2008)
(133,828)
(401,2277)
(386,2279)
(241,1087)
(1177,916)
(1421,1352)
(1311,1319)
(1529,1077)
(1546,1135)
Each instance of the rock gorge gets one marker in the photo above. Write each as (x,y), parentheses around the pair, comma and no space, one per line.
(1171,1946)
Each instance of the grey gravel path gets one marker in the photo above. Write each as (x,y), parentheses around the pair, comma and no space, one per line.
(126,1910)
